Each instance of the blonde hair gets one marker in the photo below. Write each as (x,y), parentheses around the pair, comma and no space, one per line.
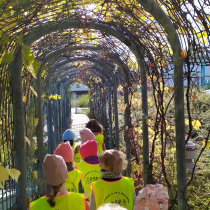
(111,206)
(114,160)
(77,146)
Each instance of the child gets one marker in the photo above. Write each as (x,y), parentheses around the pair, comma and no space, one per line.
(86,134)
(97,129)
(90,165)
(77,156)
(73,181)
(55,173)
(111,206)
(69,135)
(112,187)
(152,197)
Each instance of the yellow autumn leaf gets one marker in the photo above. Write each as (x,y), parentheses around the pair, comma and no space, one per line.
(120,88)
(183,55)
(196,124)
(24,99)
(14,173)
(27,141)
(168,127)
(195,98)
(33,91)
(36,120)
(187,122)
(166,89)
(4,176)
(173,150)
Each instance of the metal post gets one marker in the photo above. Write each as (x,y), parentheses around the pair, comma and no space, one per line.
(19,138)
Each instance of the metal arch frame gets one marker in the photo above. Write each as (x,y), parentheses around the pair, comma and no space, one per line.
(177,101)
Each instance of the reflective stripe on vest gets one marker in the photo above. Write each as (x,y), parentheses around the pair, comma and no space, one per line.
(69,201)
(99,139)
(120,192)
(91,174)
(72,181)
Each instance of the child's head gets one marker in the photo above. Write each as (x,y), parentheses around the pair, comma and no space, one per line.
(94,126)
(86,134)
(54,173)
(88,149)
(54,170)
(111,206)
(152,197)
(65,150)
(77,147)
(68,135)
(113,161)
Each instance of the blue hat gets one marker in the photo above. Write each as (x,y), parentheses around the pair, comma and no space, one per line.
(68,135)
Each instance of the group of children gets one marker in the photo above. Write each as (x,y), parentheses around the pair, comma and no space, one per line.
(88,178)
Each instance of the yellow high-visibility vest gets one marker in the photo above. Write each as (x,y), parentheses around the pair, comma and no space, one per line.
(120,192)
(100,139)
(91,174)
(72,181)
(68,201)
(77,158)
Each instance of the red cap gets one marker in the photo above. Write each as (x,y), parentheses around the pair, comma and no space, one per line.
(65,150)
(89,148)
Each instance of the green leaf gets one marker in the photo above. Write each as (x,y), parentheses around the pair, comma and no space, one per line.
(19,40)
(36,66)
(8,58)
(31,70)
(4,39)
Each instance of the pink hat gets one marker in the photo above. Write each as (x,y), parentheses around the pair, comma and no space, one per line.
(89,148)
(86,134)
(154,197)
(65,150)
(54,170)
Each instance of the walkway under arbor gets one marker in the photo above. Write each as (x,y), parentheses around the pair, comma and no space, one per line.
(78,122)
(125,52)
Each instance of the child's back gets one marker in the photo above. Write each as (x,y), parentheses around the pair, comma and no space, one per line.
(112,187)
(90,165)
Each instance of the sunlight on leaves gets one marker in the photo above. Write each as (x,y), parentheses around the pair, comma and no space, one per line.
(14,173)
(3,177)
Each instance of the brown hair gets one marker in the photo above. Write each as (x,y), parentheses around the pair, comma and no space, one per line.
(94,126)
(114,160)
(51,197)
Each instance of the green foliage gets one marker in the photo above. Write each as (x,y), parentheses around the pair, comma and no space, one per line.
(83,101)
(8,57)
(199,189)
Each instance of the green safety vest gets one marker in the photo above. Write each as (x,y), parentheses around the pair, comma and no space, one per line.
(100,139)
(68,201)
(120,192)
(72,181)
(91,174)
(77,158)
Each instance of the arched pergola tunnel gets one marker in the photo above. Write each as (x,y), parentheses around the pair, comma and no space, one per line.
(61,39)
